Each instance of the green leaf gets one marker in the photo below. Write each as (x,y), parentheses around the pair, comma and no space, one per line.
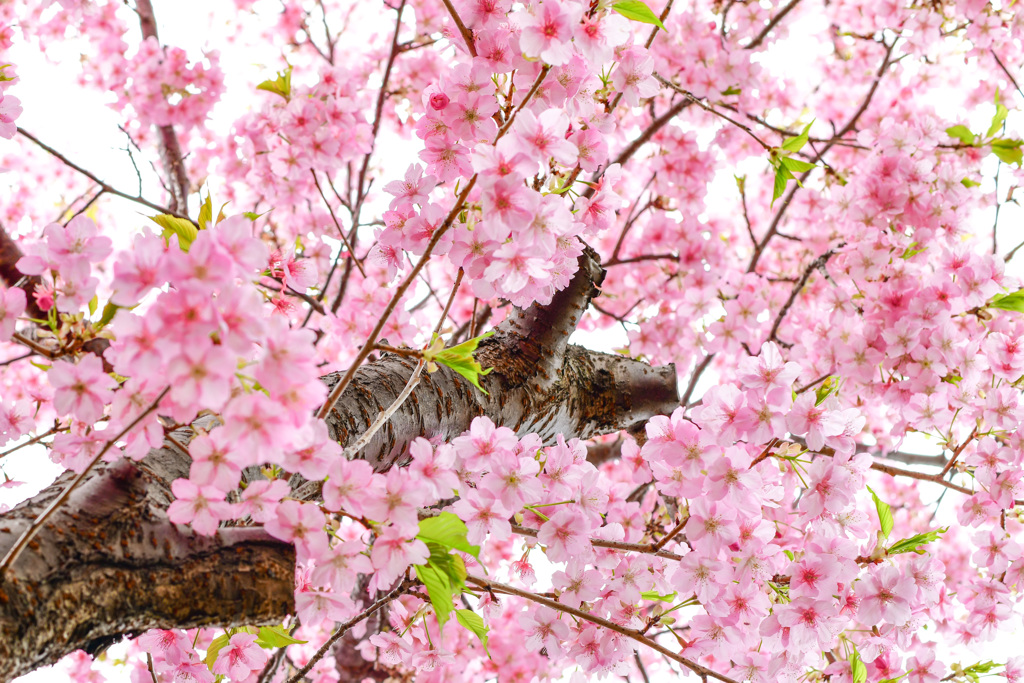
(961,133)
(4,77)
(109,311)
(272,637)
(911,252)
(858,672)
(731,90)
(780,184)
(216,646)
(475,624)
(94,303)
(173,225)
(795,165)
(1009,302)
(449,531)
(638,11)
(997,120)
(914,543)
(1008,151)
(884,514)
(439,588)
(282,85)
(827,388)
(797,143)
(967,182)
(252,215)
(655,595)
(206,212)
(460,359)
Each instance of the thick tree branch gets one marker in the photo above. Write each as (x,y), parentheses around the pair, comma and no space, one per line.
(110,563)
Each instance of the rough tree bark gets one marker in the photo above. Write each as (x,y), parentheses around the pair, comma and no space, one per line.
(109,562)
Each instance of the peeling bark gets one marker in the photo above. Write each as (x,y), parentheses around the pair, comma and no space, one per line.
(109,563)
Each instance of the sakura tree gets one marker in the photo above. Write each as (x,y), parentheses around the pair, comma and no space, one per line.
(311,386)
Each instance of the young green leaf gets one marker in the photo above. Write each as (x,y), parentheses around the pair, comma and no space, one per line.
(460,359)
(781,176)
(961,133)
(997,120)
(282,85)
(884,514)
(475,624)
(1009,302)
(205,212)
(449,531)
(858,672)
(271,637)
(655,595)
(795,144)
(795,165)
(914,543)
(218,644)
(439,588)
(638,11)
(173,225)
(968,183)
(1008,151)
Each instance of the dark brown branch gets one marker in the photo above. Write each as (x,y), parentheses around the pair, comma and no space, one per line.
(170,148)
(759,38)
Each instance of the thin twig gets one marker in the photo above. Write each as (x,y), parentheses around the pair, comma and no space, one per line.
(37,524)
(759,38)
(811,267)
(600,621)
(91,176)
(343,629)
(330,210)
(467,35)
(646,548)
(711,110)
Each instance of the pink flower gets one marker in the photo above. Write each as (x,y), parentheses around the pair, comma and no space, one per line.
(81,389)
(10,109)
(543,137)
(547,32)
(211,462)
(632,77)
(341,565)
(578,584)
(885,596)
(434,468)
(416,187)
(393,552)
(544,628)
(565,535)
(201,506)
(301,524)
(483,513)
(347,484)
(200,377)
(815,421)
(260,498)
(241,657)
(478,446)
(12,306)
(138,270)
(397,501)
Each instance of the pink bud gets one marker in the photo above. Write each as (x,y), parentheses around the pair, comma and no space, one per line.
(439,101)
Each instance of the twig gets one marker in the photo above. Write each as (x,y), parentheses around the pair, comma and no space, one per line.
(344,239)
(343,629)
(759,38)
(35,346)
(467,35)
(91,176)
(697,372)
(811,267)
(37,524)
(646,548)
(594,619)
(711,110)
